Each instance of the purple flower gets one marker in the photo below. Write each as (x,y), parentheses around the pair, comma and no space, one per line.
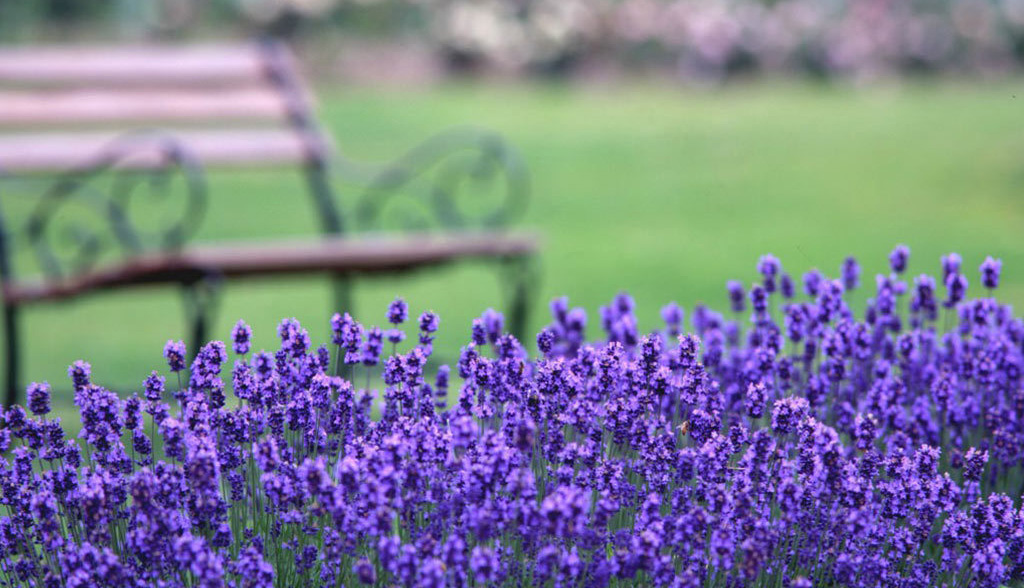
(864,431)
(340,324)
(241,337)
(987,563)
(364,571)
(923,299)
(206,565)
(483,561)
(398,311)
(757,395)
(79,373)
(990,270)
(812,283)
(478,333)
(429,323)
(373,346)
(956,290)
(850,272)
(786,287)
(252,570)
(759,299)
(294,338)
(672,314)
(347,334)
(395,335)
(769,267)
(38,398)
(950,265)
(898,259)
(560,309)
(974,463)
(564,511)
(493,323)
(153,386)
(206,367)
(174,352)
(202,469)
(243,381)
(546,340)
(737,298)
(431,574)
(787,414)
(442,377)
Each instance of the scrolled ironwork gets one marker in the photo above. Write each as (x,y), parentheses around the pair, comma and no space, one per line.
(433,180)
(113,210)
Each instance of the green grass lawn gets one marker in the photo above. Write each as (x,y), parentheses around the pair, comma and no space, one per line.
(666,193)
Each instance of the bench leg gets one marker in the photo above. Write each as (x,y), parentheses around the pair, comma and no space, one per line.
(319,182)
(201,299)
(11,355)
(342,291)
(522,282)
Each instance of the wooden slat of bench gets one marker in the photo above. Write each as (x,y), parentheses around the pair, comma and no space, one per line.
(105,106)
(336,255)
(41,152)
(142,64)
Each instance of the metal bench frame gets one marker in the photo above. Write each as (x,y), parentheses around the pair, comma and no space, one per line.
(430,175)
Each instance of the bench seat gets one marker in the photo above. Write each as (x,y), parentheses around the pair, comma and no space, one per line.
(368,255)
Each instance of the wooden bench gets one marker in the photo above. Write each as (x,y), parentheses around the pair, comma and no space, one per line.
(73,114)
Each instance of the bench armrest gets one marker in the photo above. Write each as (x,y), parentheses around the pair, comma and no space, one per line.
(142,166)
(459,179)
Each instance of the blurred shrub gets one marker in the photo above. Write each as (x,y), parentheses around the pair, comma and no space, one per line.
(718,38)
(841,37)
(707,39)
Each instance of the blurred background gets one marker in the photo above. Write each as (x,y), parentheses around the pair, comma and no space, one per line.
(670,143)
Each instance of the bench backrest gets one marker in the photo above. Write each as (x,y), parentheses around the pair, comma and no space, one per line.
(67,109)
(147,114)
(242,104)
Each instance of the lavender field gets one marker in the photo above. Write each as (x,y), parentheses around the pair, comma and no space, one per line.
(777,438)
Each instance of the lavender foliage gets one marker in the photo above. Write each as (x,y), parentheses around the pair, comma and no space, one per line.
(805,447)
